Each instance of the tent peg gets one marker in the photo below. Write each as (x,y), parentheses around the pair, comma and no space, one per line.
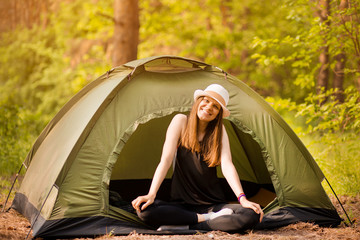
(12,186)
(351,222)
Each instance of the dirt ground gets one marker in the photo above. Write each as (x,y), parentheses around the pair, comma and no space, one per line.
(14,226)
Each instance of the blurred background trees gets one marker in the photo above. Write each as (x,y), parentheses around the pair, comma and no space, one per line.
(303,56)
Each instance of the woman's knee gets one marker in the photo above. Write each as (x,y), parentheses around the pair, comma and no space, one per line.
(251,217)
(143,215)
(148,217)
(147,214)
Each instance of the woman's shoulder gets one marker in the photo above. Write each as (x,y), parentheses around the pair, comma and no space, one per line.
(180,117)
(179,121)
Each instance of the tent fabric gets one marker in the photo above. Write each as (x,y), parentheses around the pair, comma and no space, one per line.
(112,131)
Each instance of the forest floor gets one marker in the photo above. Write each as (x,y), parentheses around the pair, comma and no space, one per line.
(14,226)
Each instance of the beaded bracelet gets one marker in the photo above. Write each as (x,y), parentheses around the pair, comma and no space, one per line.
(240,196)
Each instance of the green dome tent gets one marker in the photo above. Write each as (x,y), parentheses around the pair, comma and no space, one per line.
(101,150)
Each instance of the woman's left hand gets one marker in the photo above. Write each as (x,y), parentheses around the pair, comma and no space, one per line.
(254,206)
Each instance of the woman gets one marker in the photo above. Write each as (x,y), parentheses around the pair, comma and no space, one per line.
(200,143)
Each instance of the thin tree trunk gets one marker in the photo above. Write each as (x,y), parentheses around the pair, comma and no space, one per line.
(126,32)
(339,76)
(356,22)
(350,22)
(225,9)
(340,60)
(323,77)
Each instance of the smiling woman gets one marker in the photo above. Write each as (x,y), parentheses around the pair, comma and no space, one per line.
(200,143)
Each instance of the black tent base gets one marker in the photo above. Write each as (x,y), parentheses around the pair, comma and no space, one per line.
(102,225)
(290,215)
(83,226)
(98,226)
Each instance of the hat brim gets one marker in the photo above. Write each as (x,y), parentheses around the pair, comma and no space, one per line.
(200,93)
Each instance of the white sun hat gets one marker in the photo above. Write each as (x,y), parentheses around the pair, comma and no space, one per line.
(218,93)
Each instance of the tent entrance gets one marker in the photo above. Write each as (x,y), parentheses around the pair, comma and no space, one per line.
(136,164)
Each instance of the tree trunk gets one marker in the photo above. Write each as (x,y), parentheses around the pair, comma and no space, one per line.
(339,76)
(225,10)
(350,21)
(23,13)
(323,77)
(340,60)
(126,32)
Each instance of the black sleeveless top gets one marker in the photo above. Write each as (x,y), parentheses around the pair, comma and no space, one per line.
(193,182)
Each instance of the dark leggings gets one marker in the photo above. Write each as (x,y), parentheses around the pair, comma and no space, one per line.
(167,213)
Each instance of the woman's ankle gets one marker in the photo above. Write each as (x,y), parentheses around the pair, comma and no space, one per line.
(212,215)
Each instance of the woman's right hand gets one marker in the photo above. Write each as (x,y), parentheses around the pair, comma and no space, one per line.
(146,199)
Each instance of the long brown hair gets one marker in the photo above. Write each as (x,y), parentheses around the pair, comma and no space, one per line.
(210,147)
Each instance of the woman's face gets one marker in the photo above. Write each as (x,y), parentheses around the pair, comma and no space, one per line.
(208,109)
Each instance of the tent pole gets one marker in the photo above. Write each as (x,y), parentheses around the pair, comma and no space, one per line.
(225,73)
(12,186)
(38,214)
(351,222)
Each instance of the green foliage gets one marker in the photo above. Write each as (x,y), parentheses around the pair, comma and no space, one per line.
(331,133)
(288,109)
(15,139)
(338,155)
(295,55)
(220,35)
(325,114)
(329,127)
(334,128)
(42,68)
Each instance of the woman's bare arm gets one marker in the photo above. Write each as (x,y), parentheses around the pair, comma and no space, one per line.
(232,177)
(169,148)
